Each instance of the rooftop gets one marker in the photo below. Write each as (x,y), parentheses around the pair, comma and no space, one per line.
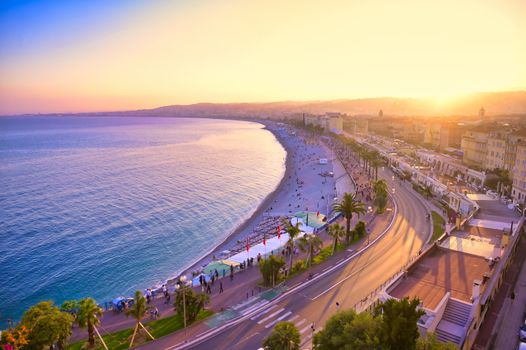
(440,271)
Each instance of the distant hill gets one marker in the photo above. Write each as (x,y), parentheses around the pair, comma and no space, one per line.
(495,103)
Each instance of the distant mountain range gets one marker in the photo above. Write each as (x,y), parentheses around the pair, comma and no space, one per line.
(494,103)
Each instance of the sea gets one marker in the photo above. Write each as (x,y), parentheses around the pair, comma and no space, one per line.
(102,206)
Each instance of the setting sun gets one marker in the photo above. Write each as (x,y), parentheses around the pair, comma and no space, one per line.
(145,54)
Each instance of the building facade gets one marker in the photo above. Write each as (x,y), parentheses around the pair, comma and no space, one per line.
(518,191)
(474,146)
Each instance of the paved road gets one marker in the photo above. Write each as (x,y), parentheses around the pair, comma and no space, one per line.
(348,285)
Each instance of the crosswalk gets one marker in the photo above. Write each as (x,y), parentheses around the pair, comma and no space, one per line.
(269,317)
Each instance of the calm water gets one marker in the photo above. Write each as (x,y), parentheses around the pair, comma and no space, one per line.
(98,206)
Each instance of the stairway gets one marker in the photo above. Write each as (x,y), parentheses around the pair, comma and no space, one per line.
(452,326)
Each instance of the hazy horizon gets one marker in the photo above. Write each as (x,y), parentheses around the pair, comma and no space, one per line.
(128,55)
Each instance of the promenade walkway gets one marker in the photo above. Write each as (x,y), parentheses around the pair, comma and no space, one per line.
(244,286)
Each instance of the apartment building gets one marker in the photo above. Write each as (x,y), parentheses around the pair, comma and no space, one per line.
(474,145)
(518,191)
(442,135)
(496,151)
(456,278)
(329,122)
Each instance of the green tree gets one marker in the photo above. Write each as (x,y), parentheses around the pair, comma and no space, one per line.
(380,188)
(138,311)
(270,268)
(195,302)
(284,336)
(88,316)
(359,229)
(335,231)
(348,206)
(293,231)
(70,306)
(427,192)
(430,342)
(348,330)
(47,324)
(380,195)
(398,327)
(376,163)
(310,243)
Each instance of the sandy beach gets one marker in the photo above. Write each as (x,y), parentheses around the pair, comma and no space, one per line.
(301,188)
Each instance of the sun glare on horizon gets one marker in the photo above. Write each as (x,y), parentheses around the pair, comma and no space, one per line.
(92,56)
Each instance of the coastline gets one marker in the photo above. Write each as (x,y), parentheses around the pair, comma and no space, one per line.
(240,231)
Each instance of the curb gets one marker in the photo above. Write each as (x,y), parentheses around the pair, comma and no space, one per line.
(213,332)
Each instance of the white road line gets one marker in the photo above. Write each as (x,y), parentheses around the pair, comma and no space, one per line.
(300,323)
(245,303)
(264,312)
(255,306)
(328,267)
(307,327)
(286,314)
(271,315)
(293,318)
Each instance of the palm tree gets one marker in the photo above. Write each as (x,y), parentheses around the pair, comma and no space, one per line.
(293,232)
(87,316)
(138,311)
(310,243)
(335,231)
(380,188)
(376,162)
(347,207)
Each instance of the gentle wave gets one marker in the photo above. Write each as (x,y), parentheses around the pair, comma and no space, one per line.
(101,206)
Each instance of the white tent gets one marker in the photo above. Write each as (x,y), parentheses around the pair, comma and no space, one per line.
(272,244)
(303,227)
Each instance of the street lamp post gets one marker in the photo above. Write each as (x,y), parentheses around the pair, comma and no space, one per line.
(182,281)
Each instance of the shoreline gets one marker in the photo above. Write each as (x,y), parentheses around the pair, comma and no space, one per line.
(250,220)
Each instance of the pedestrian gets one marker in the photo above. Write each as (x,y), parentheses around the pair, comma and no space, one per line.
(231,276)
(220,287)
(337,306)
(512,296)
(167,299)
(208,288)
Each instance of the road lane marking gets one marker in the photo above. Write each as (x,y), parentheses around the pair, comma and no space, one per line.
(271,315)
(264,312)
(255,306)
(328,267)
(297,324)
(307,327)
(245,303)
(286,314)
(293,318)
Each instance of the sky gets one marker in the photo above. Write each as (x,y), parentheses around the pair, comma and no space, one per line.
(76,56)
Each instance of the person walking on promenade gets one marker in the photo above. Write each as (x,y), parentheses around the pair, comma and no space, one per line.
(220,287)
(208,289)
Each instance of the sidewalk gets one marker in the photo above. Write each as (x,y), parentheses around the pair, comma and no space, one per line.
(377,227)
(245,283)
(500,328)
